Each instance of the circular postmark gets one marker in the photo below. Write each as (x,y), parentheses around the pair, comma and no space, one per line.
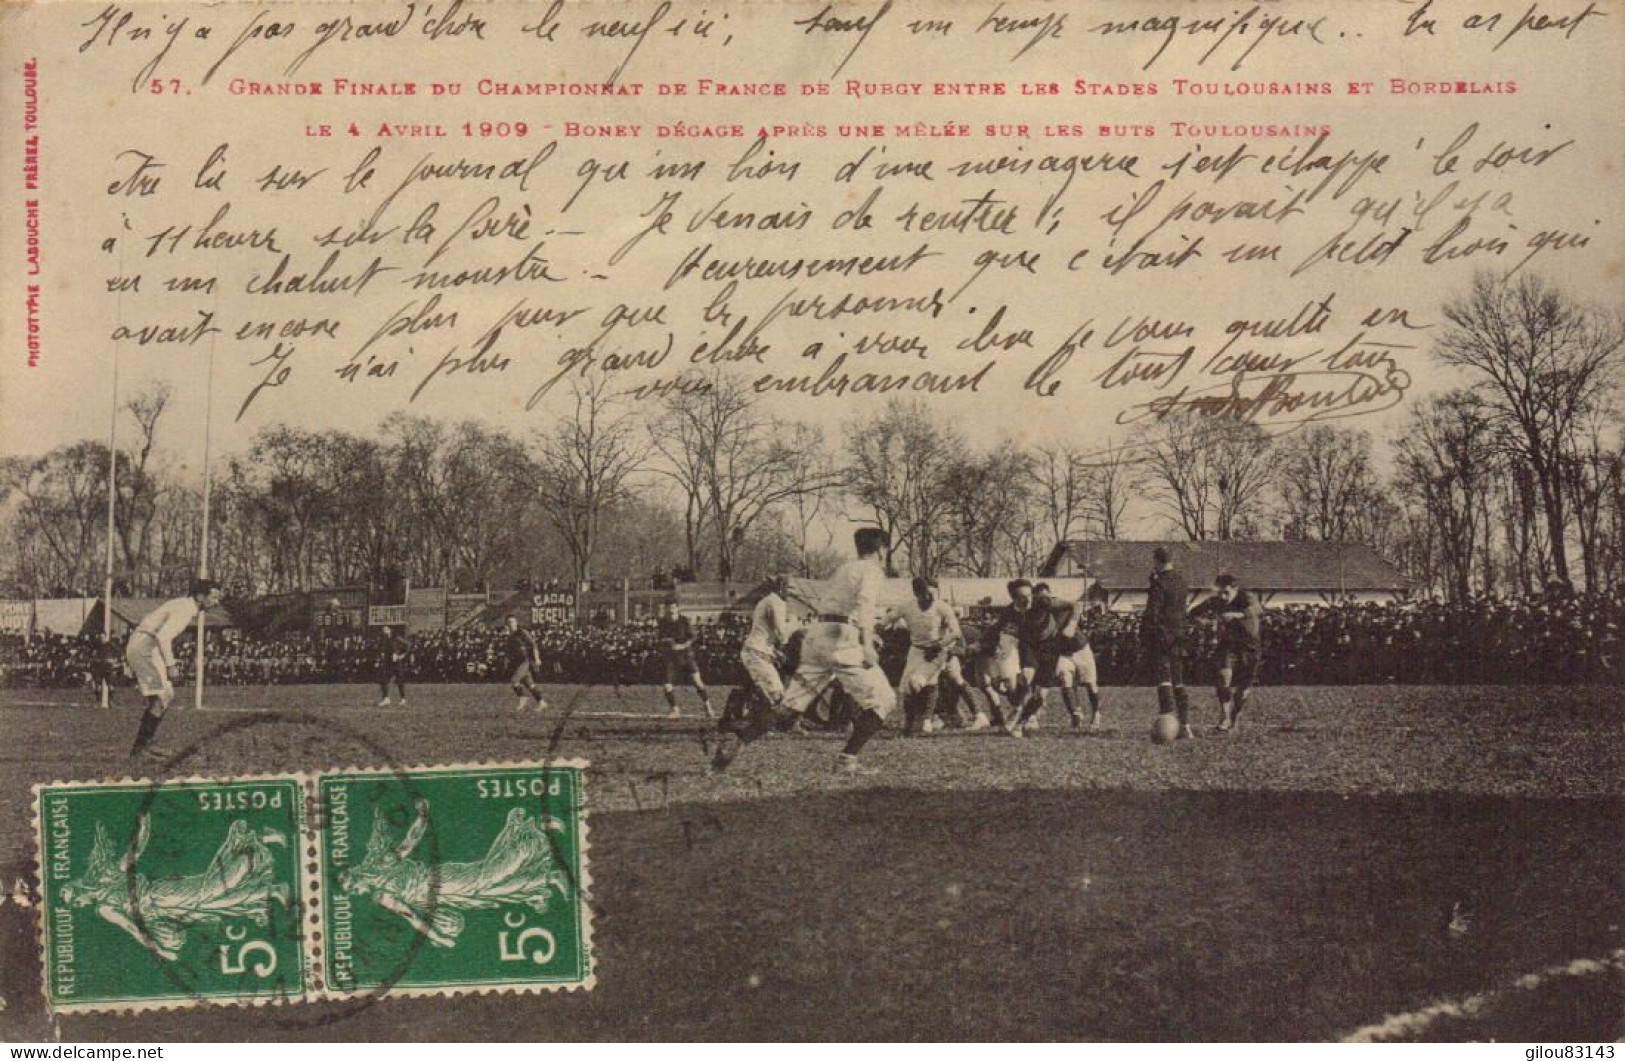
(317,741)
(242,747)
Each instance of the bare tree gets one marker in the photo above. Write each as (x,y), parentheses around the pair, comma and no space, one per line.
(1446,459)
(1209,473)
(61,503)
(991,502)
(677,438)
(1061,478)
(581,467)
(749,462)
(1326,483)
(902,460)
(1542,363)
(141,488)
(1108,485)
(1592,479)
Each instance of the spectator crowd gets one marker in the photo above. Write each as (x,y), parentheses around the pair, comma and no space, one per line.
(1480,641)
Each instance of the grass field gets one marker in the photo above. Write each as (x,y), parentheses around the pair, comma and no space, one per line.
(1446,860)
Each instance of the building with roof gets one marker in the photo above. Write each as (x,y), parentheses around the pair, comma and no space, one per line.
(1279,573)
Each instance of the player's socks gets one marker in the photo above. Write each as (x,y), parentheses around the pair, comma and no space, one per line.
(1069,697)
(913,717)
(928,710)
(1165,700)
(1029,707)
(761,720)
(145,731)
(868,723)
(1182,703)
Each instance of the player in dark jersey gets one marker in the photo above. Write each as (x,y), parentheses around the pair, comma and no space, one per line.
(1048,634)
(392,655)
(1165,636)
(524,659)
(104,669)
(677,646)
(1240,618)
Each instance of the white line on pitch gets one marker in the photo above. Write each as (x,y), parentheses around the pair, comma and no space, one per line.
(1407,1024)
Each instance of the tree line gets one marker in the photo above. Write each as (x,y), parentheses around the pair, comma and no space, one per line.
(1510,480)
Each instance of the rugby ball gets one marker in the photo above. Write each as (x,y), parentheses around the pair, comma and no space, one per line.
(1165,730)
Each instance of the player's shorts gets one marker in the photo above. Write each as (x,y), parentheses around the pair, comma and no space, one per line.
(521,674)
(1168,666)
(1241,664)
(1002,667)
(920,673)
(681,667)
(832,654)
(146,662)
(764,671)
(1077,668)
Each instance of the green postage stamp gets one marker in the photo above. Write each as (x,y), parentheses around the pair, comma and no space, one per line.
(297,887)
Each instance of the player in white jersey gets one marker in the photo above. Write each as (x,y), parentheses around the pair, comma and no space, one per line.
(934,643)
(838,648)
(763,651)
(151,653)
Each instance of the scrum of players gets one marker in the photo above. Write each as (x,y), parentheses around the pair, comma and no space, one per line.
(1033,643)
(828,672)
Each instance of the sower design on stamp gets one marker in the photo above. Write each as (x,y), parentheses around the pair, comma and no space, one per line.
(470,878)
(171,893)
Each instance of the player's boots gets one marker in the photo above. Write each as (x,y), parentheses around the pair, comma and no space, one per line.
(913,714)
(851,766)
(145,731)
(763,719)
(1069,697)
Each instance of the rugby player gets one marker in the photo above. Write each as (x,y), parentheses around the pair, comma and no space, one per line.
(524,660)
(677,643)
(934,641)
(1240,618)
(150,653)
(1048,633)
(392,665)
(1164,633)
(838,649)
(763,652)
(1075,668)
